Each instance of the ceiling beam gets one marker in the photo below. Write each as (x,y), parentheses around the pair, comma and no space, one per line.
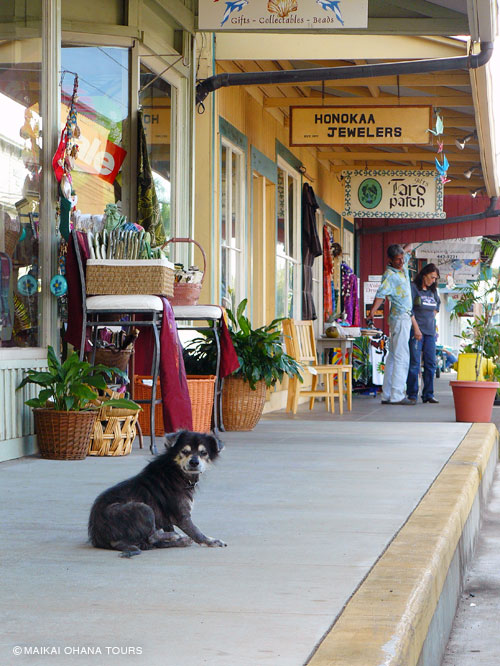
(460,100)
(424,8)
(405,81)
(421,156)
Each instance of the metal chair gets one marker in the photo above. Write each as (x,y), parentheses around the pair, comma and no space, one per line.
(301,345)
(214,315)
(142,309)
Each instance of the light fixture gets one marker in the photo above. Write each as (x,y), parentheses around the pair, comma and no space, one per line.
(460,143)
(468,173)
(478,191)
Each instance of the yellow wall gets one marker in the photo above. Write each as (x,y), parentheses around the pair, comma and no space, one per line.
(242,108)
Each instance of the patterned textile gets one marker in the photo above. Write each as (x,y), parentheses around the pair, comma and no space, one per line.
(396,285)
(350,295)
(327,275)
(148,207)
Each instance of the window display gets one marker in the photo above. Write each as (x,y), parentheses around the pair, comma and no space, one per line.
(20,166)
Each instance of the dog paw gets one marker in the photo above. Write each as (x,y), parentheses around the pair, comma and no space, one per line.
(214,543)
(183,541)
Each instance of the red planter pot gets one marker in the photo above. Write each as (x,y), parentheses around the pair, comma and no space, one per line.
(473,400)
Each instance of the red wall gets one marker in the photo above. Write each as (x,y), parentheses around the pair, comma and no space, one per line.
(373,247)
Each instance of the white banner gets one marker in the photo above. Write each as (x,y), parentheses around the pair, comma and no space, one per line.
(248,15)
(392,193)
(456,248)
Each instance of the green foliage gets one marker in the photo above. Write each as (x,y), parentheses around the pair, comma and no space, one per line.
(484,337)
(71,386)
(260,351)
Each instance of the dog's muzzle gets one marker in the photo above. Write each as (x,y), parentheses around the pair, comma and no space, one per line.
(194,463)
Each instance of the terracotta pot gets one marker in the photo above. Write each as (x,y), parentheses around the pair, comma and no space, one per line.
(242,407)
(473,400)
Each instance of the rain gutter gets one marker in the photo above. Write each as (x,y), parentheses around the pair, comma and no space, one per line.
(489,212)
(297,76)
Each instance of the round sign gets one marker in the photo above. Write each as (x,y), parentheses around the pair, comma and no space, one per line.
(58,285)
(370,193)
(27,285)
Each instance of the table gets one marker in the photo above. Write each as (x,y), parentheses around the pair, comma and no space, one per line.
(323,343)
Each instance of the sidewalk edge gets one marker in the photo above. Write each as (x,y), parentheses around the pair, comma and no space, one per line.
(387,620)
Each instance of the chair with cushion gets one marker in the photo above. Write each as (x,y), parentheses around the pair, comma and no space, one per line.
(99,311)
(301,345)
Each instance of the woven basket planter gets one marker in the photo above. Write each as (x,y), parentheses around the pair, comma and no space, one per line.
(201,392)
(114,431)
(111,358)
(64,435)
(242,407)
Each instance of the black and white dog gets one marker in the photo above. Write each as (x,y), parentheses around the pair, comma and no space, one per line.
(141,512)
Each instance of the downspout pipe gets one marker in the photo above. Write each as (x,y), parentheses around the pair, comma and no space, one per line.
(489,212)
(343,73)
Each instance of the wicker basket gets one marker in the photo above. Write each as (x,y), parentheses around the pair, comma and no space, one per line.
(112,358)
(114,432)
(201,391)
(186,293)
(130,276)
(11,238)
(64,435)
(242,407)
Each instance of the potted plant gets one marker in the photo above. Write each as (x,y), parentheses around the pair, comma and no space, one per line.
(64,411)
(263,362)
(474,398)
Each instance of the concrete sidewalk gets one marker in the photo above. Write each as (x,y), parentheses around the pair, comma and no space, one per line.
(307,507)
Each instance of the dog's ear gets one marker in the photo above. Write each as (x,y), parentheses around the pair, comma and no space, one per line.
(171,438)
(214,445)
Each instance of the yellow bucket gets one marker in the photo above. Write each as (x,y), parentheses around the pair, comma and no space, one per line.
(466,367)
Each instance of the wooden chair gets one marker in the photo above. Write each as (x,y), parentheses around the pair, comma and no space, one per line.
(301,345)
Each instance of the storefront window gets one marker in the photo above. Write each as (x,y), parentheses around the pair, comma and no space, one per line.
(232,225)
(287,260)
(156,101)
(20,188)
(103,111)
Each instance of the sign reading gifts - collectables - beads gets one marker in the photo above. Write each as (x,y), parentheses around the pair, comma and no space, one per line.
(392,193)
(317,15)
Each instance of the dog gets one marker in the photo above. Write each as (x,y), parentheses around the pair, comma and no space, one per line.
(140,513)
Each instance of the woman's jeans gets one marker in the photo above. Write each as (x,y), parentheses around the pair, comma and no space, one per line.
(427,346)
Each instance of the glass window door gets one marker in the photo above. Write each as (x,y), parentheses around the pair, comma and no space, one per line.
(232,225)
(287,243)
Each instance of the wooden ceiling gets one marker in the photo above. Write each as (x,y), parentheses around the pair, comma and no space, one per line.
(448,92)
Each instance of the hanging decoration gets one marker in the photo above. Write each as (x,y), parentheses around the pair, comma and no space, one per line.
(442,167)
(64,161)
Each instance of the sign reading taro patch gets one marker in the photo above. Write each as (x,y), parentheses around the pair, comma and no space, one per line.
(392,193)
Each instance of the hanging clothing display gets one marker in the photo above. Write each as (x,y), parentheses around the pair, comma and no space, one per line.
(311,248)
(327,275)
(350,301)
(148,207)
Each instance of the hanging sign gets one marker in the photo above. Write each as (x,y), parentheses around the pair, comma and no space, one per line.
(369,292)
(339,126)
(392,193)
(451,249)
(247,15)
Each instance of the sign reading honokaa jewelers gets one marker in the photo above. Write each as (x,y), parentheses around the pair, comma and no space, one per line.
(392,193)
(339,126)
(247,15)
